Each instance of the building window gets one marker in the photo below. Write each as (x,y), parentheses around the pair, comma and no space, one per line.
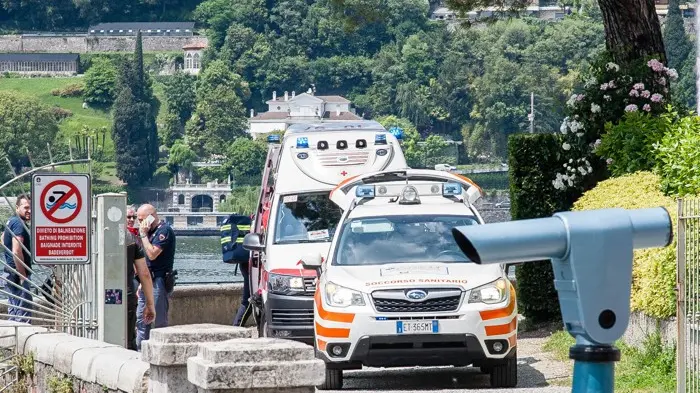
(180,199)
(195,63)
(188,61)
(222,198)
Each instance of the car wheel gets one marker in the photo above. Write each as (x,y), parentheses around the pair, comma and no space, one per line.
(334,380)
(505,375)
(486,369)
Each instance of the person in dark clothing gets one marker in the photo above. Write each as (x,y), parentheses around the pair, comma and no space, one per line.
(136,264)
(158,240)
(233,231)
(17,246)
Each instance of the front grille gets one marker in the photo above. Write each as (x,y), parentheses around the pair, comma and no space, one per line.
(309,286)
(394,301)
(293,317)
(351,158)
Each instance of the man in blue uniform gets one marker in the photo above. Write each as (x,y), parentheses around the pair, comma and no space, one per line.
(233,231)
(14,237)
(158,243)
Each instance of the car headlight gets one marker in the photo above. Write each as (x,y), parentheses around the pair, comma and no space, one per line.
(338,296)
(281,284)
(491,293)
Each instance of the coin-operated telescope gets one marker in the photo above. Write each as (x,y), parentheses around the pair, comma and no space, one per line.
(591,253)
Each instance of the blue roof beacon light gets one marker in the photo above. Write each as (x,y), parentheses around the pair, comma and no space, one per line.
(364,192)
(302,142)
(451,189)
(396,132)
(274,138)
(380,139)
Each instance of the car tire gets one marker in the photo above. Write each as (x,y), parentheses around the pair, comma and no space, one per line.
(486,369)
(334,380)
(505,375)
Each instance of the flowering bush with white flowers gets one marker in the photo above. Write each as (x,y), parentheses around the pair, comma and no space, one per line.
(609,93)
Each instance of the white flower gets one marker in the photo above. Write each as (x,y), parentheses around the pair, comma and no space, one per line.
(604,86)
(607,97)
(595,108)
(590,169)
(631,108)
(590,82)
(672,73)
(639,86)
(612,66)
(582,170)
(571,160)
(579,134)
(566,146)
(572,101)
(571,183)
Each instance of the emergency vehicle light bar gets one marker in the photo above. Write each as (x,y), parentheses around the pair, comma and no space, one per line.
(364,192)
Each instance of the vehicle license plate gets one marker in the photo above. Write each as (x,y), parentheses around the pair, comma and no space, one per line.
(413,327)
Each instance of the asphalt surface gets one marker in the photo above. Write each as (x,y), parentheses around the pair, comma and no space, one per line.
(537,373)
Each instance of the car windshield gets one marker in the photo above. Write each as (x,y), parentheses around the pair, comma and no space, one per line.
(400,239)
(306,218)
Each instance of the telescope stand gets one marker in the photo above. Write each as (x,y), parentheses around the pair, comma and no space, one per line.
(594,368)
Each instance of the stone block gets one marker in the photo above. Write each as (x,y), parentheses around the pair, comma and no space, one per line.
(133,376)
(171,346)
(168,349)
(263,364)
(107,364)
(24,332)
(43,345)
(66,353)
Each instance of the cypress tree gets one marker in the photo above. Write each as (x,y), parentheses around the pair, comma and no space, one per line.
(134,131)
(676,41)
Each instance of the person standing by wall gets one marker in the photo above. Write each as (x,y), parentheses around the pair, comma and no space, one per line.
(136,265)
(233,230)
(158,241)
(17,244)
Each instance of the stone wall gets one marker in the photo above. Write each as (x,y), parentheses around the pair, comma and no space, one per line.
(642,325)
(87,44)
(92,366)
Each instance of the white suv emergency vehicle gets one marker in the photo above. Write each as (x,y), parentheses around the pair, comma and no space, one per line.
(395,290)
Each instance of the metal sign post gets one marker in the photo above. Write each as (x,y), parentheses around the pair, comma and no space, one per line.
(111,268)
(61,211)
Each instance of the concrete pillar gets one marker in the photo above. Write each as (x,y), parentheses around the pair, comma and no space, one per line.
(263,365)
(168,349)
(111,269)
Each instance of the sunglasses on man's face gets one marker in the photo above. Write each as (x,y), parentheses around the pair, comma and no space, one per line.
(131,217)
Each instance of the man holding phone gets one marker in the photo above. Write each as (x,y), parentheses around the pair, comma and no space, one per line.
(158,243)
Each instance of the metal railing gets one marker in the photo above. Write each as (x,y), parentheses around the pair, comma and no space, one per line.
(57,297)
(688,296)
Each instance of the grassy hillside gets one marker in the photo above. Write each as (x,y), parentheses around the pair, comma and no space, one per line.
(41,88)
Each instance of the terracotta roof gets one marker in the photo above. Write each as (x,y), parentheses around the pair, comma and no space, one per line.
(331,115)
(270,116)
(194,46)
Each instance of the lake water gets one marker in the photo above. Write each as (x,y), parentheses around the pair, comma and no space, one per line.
(198,260)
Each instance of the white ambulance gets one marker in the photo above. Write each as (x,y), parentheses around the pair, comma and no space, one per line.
(311,161)
(395,289)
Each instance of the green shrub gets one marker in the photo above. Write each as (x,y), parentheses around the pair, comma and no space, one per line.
(72,90)
(100,83)
(678,158)
(533,161)
(629,144)
(654,270)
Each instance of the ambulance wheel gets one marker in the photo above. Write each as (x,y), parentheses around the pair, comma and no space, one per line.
(505,375)
(334,380)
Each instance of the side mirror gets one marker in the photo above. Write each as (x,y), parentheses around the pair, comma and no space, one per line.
(251,242)
(312,262)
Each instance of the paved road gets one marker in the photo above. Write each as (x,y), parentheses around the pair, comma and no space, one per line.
(536,372)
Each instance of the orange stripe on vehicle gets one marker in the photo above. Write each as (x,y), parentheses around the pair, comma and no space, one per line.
(497,330)
(512,341)
(321,344)
(342,183)
(500,312)
(332,332)
(470,181)
(329,315)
